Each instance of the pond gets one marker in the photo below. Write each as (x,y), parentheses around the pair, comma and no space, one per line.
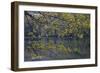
(55,48)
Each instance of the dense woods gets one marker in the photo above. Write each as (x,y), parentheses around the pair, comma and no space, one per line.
(56,35)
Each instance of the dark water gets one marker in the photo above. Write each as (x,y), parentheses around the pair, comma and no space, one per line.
(77,49)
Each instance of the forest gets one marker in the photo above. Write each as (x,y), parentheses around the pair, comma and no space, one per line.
(56,35)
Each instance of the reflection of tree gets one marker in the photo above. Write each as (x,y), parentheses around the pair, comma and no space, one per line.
(41,26)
